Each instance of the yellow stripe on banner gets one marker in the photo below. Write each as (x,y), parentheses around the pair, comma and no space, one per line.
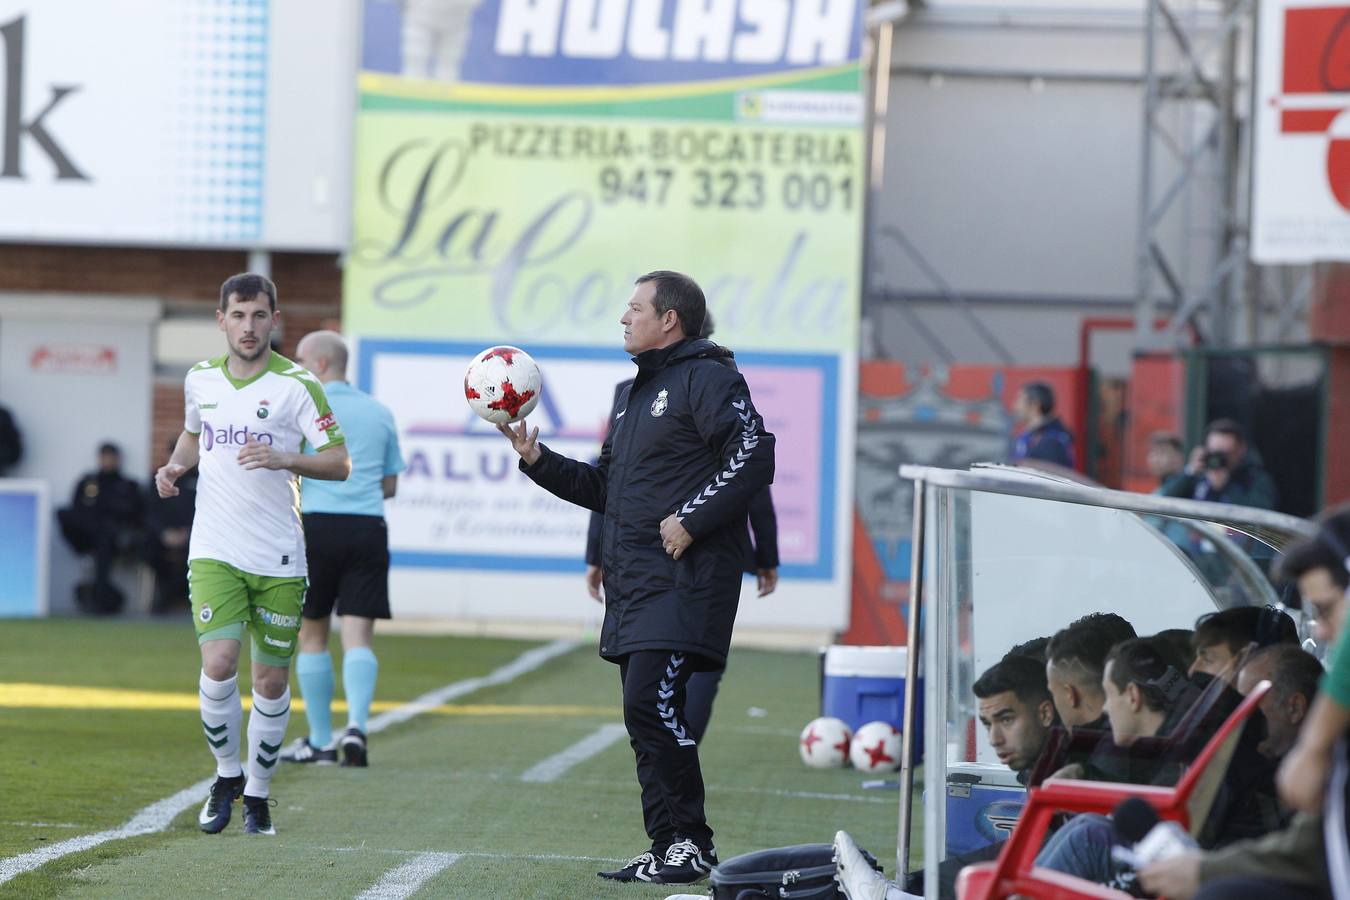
(417,89)
(56,696)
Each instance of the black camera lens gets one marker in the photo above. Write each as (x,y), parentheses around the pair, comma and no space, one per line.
(1216,459)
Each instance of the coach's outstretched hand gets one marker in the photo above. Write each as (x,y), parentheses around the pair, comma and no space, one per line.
(524,439)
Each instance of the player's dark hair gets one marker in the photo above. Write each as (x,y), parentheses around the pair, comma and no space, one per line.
(1328,550)
(1242,625)
(680,293)
(1034,648)
(1116,626)
(707,330)
(248,285)
(1141,662)
(1081,650)
(1176,644)
(1292,670)
(1167,439)
(1022,675)
(1041,394)
(1231,427)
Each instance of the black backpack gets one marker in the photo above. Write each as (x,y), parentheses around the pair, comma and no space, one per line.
(799,872)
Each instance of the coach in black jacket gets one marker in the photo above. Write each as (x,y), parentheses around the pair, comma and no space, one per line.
(685,456)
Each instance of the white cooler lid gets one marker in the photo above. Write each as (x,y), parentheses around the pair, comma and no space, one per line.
(866,662)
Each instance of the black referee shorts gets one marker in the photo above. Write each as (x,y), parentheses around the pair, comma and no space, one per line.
(348,566)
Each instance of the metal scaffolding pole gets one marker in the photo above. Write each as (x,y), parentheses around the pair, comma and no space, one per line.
(1196,154)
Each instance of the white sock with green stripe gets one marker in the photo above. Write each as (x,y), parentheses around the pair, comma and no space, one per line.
(222,714)
(266,730)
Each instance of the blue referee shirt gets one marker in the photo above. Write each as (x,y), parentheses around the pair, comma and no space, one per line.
(372,442)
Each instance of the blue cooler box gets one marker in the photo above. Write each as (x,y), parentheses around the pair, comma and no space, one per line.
(983,803)
(867,684)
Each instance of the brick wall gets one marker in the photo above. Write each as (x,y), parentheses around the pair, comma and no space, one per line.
(309,288)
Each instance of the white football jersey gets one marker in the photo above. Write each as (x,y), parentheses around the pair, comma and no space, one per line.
(250,518)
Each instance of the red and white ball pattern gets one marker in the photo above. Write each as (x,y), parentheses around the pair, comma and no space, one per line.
(876,748)
(824,743)
(502,384)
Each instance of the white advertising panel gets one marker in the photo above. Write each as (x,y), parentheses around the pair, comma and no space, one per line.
(1301,161)
(197,122)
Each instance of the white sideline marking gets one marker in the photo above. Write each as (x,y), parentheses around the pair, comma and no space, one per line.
(158,815)
(526,662)
(404,880)
(155,817)
(550,769)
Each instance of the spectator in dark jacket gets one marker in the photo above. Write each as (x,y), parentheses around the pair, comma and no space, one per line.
(104,521)
(1224,469)
(1043,435)
(11,443)
(687,453)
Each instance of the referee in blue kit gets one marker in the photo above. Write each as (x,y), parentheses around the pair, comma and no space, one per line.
(348,550)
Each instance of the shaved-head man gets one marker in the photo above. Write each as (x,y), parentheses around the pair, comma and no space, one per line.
(348,560)
(1074,661)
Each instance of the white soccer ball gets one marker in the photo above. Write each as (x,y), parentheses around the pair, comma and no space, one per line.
(824,743)
(502,384)
(876,748)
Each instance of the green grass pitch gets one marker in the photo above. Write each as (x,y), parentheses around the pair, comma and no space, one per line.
(440,783)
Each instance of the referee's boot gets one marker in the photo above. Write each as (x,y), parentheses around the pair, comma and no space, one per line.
(302,751)
(686,863)
(353,747)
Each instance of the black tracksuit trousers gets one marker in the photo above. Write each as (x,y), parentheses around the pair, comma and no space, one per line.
(665,746)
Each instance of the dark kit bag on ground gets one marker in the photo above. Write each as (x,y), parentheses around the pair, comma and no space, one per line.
(799,872)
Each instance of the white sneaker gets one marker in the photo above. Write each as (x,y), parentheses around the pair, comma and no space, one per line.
(301,750)
(855,875)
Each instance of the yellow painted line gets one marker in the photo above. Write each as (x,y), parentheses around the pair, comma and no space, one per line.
(57,696)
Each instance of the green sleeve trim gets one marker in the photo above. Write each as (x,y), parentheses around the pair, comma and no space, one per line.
(335,442)
(283,366)
(1336,681)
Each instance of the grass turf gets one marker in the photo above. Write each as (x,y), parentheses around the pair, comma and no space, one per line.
(439,783)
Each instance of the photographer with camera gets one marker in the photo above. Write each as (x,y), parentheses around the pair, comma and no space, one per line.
(1224,469)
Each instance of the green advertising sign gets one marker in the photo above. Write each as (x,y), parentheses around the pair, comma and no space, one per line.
(528,213)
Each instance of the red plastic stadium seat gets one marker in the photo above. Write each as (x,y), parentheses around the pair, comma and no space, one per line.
(1187,803)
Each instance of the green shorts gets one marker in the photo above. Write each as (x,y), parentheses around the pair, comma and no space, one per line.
(225,600)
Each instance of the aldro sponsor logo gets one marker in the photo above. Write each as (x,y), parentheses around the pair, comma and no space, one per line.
(232,436)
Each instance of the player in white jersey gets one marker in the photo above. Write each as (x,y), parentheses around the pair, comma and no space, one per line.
(248,415)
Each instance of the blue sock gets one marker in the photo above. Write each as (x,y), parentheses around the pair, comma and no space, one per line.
(314,671)
(359,671)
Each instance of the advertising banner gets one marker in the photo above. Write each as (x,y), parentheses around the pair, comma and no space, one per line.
(519,164)
(197,122)
(23,553)
(1301,161)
